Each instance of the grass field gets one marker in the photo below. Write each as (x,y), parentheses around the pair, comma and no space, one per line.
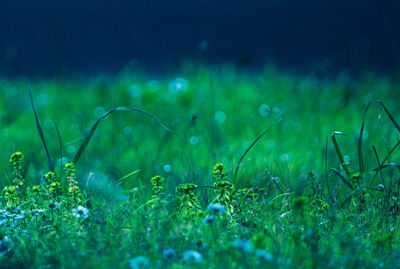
(205,168)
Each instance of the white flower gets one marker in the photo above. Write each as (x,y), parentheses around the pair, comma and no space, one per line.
(169,254)
(194,140)
(285,157)
(192,256)
(178,85)
(220,117)
(263,255)
(243,245)
(167,168)
(276,180)
(209,219)
(276,112)
(80,212)
(216,208)
(264,110)
(128,131)
(54,206)
(135,91)
(139,262)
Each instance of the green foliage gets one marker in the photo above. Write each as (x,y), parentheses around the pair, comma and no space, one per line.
(300,202)
(74,191)
(187,200)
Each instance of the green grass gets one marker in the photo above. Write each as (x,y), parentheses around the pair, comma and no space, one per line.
(299,195)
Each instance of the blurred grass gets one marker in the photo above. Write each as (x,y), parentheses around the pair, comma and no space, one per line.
(216,111)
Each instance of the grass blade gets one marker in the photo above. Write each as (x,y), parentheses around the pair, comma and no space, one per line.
(6,176)
(119,181)
(383,166)
(380,168)
(360,155)
(339,153)
(326,175)
(235,177)
(61,148)
(89,136)
(342,178)
(390,152)
(390,115)
(40,131)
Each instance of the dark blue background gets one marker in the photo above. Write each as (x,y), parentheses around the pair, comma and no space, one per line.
(50,36)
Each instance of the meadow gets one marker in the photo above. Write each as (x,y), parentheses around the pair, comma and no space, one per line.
(205,168)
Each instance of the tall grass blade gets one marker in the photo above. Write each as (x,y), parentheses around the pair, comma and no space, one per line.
(326,175)
(119,181)
(235,177)
(60,147)
(339,153)
(105,115)
(360,154)
(380,168)
(390,115)
(383,166)
(345,181)
(6,176)
(390,152)
(40,131)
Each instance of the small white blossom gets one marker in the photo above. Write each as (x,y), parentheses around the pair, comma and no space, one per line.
(264,110)
(263,255)
(243,245)
(167,168)
(80,212)
(169,254)
(54,206)
(276,180)
(178,85)
(192,256)
(139,262)
(194,140)
(216,208)
(276,113)
(220,117)
(285,157)
(135,91)
(209,219)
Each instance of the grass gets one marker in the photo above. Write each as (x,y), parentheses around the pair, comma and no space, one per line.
(188,181)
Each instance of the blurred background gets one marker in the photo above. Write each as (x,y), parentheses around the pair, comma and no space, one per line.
(50,37)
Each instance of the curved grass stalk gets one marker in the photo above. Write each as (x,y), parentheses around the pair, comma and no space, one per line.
(360,155)
(339,153)
(89,136)
(40,131)
(235,177)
